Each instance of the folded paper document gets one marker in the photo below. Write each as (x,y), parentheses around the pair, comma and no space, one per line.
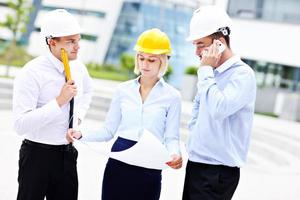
(148,152)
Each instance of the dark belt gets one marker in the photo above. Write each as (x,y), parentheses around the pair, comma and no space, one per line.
(63,147)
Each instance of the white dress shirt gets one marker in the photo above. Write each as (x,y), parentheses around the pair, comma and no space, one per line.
(128,116)
(37,114)
(222,115)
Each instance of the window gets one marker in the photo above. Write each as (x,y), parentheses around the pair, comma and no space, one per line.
(269,10)
(275,75)
(78,11)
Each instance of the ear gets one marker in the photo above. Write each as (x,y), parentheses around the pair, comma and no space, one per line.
(223,40)
(52,42)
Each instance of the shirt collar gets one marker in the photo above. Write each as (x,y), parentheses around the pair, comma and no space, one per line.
(227,64)
(56,63)
(161,81)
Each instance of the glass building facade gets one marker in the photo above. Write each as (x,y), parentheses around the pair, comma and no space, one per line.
(286,11)
(272,75)
(37,5)
(136,17)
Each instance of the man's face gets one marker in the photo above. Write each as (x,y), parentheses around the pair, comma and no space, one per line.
(69,43)
(202,45)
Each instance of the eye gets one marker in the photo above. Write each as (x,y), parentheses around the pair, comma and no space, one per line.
(200,46)
(151,60)
(141,58)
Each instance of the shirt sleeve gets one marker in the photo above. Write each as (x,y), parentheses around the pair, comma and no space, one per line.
(172,134)
(195,111)
(111,124)
(239,91)
(27,116)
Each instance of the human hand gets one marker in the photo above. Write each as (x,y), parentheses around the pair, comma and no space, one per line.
(211,55)
(176,162)
(68,91)
(71,134)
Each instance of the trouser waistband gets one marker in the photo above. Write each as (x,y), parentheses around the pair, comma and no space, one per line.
(63,147)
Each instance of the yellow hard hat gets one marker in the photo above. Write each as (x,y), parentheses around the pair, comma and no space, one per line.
(153,41)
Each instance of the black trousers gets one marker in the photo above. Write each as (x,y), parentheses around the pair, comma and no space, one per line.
(128,182)
(47,171)
(210,182)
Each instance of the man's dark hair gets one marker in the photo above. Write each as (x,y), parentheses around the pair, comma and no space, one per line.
(224,33)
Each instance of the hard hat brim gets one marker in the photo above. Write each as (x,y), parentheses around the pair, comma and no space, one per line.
(151,51)
(198,36)
(79,31)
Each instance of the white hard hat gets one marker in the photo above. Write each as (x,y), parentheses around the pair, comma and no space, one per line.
(59,23)
(207,20)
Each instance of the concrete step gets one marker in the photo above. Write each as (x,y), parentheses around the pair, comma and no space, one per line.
(98,100)
(96,115)
(6,86)
(289,131)
(272,150)
(5,104)
(282,127)
(6,83)
(5,93)
(278,141)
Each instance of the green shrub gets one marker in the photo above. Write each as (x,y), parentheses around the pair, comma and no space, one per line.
(168,72)
(127,62)
(191,70)
(110,75)
(14,55)
(110,67)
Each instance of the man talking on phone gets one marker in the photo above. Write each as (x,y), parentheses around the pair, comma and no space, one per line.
(222,113)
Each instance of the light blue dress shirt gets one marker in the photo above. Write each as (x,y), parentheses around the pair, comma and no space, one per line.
(128,116)
(222,114)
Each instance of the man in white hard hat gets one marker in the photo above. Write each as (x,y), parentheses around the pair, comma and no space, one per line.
(223,109)
(41,108)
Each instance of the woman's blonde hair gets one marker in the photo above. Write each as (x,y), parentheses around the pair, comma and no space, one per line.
(164,62)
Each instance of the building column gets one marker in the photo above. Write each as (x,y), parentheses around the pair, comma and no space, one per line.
(37,5)
(296,78)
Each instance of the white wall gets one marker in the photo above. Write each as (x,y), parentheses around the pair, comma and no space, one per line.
(265,41)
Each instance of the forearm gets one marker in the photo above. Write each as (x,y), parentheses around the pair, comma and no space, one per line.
(97,136)
(26,120)
(239,90)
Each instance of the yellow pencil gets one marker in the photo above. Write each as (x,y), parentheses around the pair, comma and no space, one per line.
(65,60)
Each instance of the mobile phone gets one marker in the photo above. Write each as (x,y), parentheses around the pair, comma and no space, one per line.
(221,46)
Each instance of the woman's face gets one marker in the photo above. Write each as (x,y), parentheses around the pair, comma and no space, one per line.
(149,64)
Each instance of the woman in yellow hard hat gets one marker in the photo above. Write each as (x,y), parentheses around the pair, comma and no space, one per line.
(145,103)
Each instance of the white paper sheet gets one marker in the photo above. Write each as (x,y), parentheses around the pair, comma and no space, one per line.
(148,152)
(93,147)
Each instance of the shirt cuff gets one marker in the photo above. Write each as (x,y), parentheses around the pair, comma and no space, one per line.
(205,72)
(173,148)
